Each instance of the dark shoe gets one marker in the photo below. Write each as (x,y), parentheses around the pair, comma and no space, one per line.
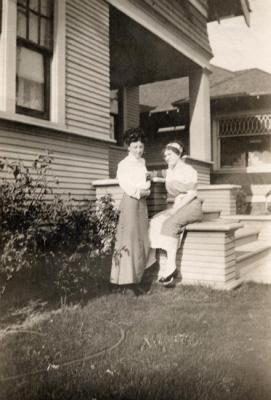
(170,283)
(169,279)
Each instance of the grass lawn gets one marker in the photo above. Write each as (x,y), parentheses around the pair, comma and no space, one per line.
(181,343)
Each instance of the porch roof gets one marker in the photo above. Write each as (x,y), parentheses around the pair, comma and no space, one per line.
(221,9)
(137,56)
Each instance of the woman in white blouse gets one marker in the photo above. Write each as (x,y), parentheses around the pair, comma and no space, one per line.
(132,246)
(166,227)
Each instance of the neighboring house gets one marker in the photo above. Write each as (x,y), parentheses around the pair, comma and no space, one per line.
(70,72)
(241,126)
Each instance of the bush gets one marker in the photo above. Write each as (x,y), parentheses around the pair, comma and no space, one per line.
(49,236)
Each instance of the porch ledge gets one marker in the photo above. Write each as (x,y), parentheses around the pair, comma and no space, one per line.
(245,217)
(114,182)
(218,187)
(213,227)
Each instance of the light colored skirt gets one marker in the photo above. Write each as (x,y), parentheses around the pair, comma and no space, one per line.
(132,249)
(166,228)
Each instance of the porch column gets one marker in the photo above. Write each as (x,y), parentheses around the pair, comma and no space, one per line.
(200,125)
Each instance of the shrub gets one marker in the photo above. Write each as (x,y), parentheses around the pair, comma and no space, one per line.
(47,235)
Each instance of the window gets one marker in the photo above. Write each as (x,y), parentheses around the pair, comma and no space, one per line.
(247,151)
(245,141)
(34,55)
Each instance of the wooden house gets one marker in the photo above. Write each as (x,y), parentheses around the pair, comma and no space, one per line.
(70,72)
(63,62)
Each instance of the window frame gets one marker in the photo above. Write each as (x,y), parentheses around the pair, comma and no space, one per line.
(217,141)
(47,61)
(8,58)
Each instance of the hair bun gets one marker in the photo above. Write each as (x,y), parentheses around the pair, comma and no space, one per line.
(134,135)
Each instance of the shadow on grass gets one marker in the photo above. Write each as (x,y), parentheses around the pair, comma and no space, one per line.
(27,296)
(205,382)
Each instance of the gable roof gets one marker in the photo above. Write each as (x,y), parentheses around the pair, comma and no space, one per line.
(251,82)
(166,95)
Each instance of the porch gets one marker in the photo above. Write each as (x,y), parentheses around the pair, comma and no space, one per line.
(167,53)
(224,249)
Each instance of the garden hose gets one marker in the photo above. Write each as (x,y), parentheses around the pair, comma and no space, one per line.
(68,363)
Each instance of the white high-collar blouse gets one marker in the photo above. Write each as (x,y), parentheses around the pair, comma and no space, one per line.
(131,174)
(181,180)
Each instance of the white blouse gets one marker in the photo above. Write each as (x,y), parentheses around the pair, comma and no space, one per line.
(131,174)
(181,179)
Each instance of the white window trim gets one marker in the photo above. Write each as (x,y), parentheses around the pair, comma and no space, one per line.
(8,66)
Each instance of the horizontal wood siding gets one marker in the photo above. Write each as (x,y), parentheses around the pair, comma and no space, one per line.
(116,154)
(132,107)
(76,161)
(185,18)
(87,67)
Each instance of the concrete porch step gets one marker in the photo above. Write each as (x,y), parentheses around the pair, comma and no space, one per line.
(252,257)
(245,235)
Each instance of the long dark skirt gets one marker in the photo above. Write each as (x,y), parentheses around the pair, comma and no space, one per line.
(132,246)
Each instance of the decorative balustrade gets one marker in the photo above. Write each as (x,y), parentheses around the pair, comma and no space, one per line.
(249,125)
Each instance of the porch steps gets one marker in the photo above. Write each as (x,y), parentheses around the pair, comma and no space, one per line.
(223,252)
(253,255)
(245,235)
(253,260)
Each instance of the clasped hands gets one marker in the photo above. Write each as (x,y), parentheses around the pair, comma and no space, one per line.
(144,192)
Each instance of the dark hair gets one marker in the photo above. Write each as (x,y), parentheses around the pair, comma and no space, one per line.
(134,135)
(170,146)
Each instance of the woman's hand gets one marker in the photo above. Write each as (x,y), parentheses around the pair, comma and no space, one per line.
(144,193)
(149,176)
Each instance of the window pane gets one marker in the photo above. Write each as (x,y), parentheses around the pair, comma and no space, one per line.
(259,150)
(30,79)
(234,152)
(21,23)
(246,151)
(34,5)
(45,33)
(33,27)
(46,7)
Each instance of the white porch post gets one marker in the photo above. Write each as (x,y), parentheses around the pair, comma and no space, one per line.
(200,125)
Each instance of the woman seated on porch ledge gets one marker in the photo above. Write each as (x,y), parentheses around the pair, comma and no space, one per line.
(166,227)
(132,246)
